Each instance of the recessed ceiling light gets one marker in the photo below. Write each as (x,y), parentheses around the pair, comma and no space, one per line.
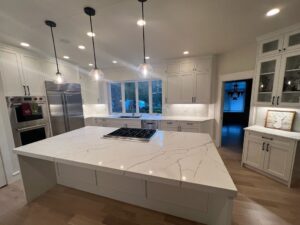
(186,52)
(114,62)
(66,57)
(273,12)
(141,22)
(82,47)
(147,57)
(91,64)
(90,34)
(24,44)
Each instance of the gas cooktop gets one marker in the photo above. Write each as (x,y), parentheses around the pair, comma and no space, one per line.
(132,134)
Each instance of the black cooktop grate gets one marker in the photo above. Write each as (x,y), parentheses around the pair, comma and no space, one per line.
(134,133)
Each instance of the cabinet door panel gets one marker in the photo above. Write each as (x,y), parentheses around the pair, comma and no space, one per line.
(174,89)
(187,67)
(289,80)
(34,77)
(270,46)
(266,81)
(187,88)
(203,88)
(292,40)
(253,154)
(278,161)
(11,74)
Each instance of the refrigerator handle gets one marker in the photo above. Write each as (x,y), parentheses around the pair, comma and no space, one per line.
(64,105)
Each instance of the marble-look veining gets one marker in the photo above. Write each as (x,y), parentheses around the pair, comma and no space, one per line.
(177,158)
(279,133)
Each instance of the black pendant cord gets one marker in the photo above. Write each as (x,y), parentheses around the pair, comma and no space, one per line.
(144,42)
(95,61)
(54,50)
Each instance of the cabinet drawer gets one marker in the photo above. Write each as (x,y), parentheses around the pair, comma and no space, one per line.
(90,121)
(170,123)
(190,124)
(100,122)
(274,140)
(121,183)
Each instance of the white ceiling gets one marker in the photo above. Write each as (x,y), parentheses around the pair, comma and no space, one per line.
(200,26)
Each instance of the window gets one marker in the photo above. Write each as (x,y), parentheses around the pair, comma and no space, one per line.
(143,96)
(130,103)
(116,97)
(136,97)
(232,105)
(157,96)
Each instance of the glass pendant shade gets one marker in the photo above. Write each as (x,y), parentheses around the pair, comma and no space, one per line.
(59,78)
(97,74)
(145,69)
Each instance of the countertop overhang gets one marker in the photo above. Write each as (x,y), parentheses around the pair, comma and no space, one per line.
(188,160)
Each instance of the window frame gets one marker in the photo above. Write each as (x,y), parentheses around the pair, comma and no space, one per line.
(136,95)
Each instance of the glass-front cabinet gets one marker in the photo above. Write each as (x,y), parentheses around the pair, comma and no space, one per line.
(267,75)
(292,40)
(289,82)
(271,46)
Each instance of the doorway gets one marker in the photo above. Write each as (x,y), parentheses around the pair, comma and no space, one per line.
(236,111)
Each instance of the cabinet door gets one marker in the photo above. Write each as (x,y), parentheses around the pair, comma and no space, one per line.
(187,88)
(10,70)
(289,80)
(203,88)
(90,89)
(34,77)
(292,40)
(253,153)
(278,161)
(270,46)
(173,89)
(266,81)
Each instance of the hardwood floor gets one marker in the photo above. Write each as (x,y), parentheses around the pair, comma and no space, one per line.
(260,201)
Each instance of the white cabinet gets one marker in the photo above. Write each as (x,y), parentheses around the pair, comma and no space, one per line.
(278,70)
(189,81)
(11,73)
(93,92)
(187,126)
(270,155)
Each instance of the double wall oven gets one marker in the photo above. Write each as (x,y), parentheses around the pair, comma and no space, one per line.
(29,118)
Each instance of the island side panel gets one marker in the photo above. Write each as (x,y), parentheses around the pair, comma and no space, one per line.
(38,176)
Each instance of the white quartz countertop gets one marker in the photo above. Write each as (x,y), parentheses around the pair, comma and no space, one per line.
(280,133)
(189,160)
(154,117)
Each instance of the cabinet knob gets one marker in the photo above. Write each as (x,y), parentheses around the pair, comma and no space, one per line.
(284,49)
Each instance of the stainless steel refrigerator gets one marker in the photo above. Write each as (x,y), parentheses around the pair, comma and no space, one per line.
(65,106)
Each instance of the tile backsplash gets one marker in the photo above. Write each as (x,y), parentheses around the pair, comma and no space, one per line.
(199,110)
(95,109)
(261,113)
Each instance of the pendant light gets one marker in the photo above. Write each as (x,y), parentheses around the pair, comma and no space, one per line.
(145,68)
(96,73)
(59,77)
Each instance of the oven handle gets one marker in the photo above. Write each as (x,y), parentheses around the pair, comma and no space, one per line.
(30,128)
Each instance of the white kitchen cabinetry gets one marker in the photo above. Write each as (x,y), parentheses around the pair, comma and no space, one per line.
(278,70)
(189,81)
(187,126)
(93,92)
(271,155)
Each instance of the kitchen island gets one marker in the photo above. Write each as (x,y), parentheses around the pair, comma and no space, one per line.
(177,173)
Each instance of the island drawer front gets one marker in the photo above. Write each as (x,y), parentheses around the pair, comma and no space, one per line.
(121,183)
(76,174)
(187,198)
(279,141)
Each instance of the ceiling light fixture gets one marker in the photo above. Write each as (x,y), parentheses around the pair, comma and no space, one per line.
(114,62)
(82,47)
(145,67)
(90,34)
(273,12)
(96,73)
(66,57)
(141,22)
(24,44)
(91,64)
(59,77)
(186,52)
(147,57)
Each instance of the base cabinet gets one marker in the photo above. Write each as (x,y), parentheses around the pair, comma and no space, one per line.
(271,155)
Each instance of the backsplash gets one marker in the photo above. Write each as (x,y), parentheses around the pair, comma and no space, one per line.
(95,109)
(261,113)
(200,110)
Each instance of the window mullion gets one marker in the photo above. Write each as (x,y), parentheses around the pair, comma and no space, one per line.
(150,96)
(123,97)
(137,108)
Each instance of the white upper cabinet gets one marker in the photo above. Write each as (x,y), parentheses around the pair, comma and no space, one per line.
(11,74)
(93,92)
(278,70)
(189,81)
